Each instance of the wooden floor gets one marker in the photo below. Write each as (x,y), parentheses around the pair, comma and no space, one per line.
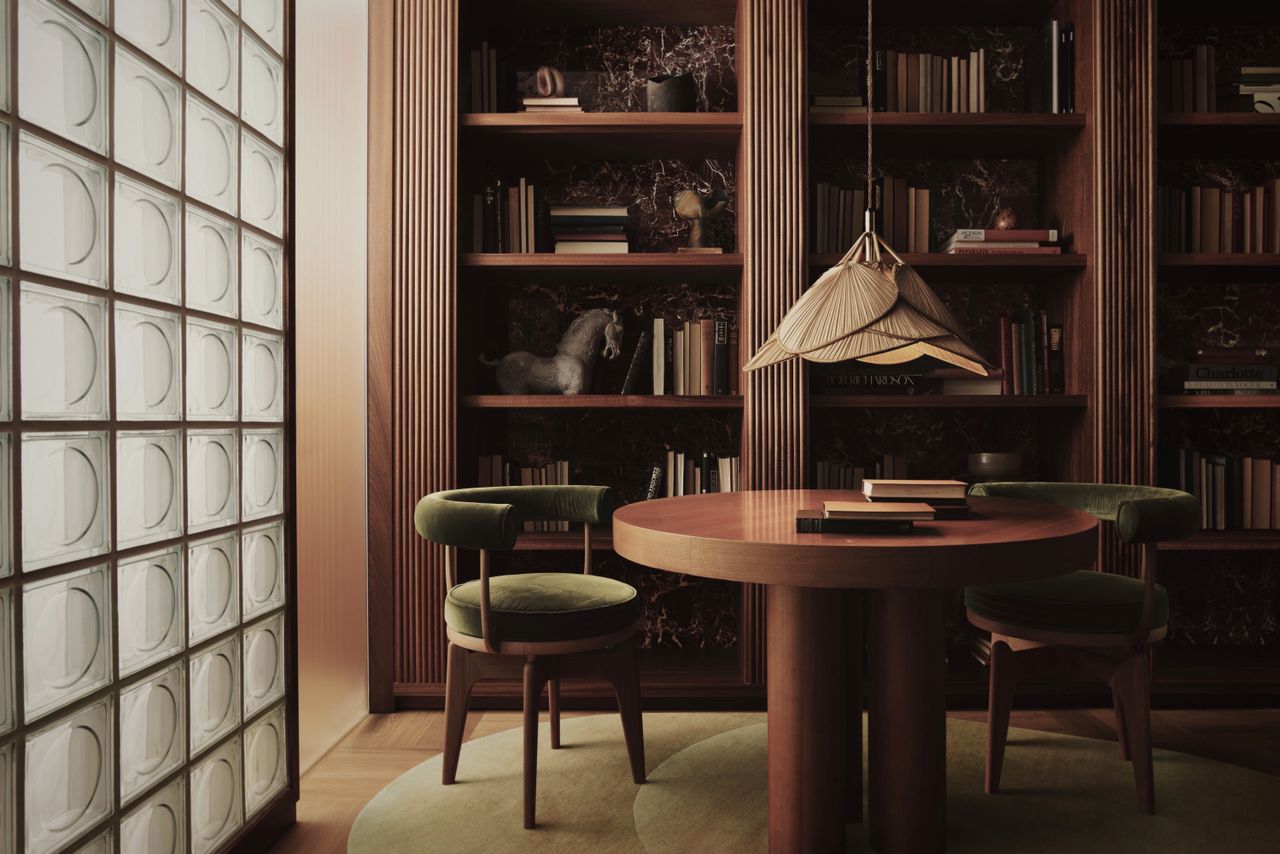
(382,747)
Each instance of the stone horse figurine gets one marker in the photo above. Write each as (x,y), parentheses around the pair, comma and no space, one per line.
(569,370)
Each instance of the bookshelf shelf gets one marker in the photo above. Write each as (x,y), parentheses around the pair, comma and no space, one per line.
(562,541)
(1210,265)
(963,134)
(1220,401)
(632,267)
(644,136)
(916,123)
(1232,121)
(1238,541)
(936,266)
(601,401)
(949,401)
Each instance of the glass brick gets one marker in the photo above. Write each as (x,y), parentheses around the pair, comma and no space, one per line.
(262,569)
(65,498)
(213,586)
(64,354)
(264,755)
(62,74)
(211,371)
(263,664)
(6,185)
(215,693)
(213,37)
(8,698)
(148,487)
(262,281)
(68,777)
(148,242)
(262,89)
(266,18)
(8,797)
(66,638)
(153,719)
(159,824)
(148,364)
(5,47)
(152,608)
(148,120)
(6,505)
(211,148)
(262,378)
(95,8)
(217,807)
(261,474)
(6,353)
(213,479)
(63,211)
(154,26)
(261,184)
(211,263)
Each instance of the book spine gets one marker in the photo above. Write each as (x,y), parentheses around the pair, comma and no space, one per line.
(491,219)
(500,225)
(707,347)
(1005,343)
(879,83)
(637,360)
(1057,360)
(654,489)
(721,367)
(1042,351)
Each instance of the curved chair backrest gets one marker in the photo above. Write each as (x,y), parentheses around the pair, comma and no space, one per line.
(488,517)
(1143,514)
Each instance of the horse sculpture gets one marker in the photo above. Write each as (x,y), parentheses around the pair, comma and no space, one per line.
(569,370)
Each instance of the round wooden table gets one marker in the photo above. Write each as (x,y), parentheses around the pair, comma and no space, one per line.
(812,671)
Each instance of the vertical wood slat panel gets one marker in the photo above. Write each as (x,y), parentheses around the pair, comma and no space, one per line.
(772,89)
(424,293)
(1125,133)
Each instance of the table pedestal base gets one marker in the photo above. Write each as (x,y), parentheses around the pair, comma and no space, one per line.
(807,661)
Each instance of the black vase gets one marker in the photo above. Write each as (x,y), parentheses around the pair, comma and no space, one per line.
(671,93)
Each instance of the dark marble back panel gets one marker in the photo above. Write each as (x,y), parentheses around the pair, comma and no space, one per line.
(1227,174)
(1222,599)
(1234,45)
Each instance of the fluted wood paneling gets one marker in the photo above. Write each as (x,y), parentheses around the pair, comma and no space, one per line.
(1124,239)
(772,86)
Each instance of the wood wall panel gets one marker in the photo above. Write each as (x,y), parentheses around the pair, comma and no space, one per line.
(772,85)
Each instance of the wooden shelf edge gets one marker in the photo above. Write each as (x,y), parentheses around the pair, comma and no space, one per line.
(1220,401)
(1067,260)
(538,122)
(1223,120)
(1237,541)
(601,401)
(552,261)
(1184,260)
(1037,122)
(945,401)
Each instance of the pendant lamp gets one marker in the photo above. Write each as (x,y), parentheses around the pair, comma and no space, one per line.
(871,306)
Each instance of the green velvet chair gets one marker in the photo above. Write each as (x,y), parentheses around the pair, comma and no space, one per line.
(1101,624)
(538,626)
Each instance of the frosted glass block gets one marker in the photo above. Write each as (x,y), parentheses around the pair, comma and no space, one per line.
(262,380)
(211,371)
(148,242)
(6,507)
(211,263)
(213,479)
(215,693)
(212,39)
(5,100)
(153,737)
(159,824)
(211,156)
(6,192)
(148,364)
(261,569)
(217,807)
(233,5)
(263,664)
(65,498)
(66,638)
(262,95)
(152,608)
(103,843)
(6,327)
(63,212)
(154,26)
(264,753)
(68,777)
(213,586)
(266,17)
(8,798)
(261,281)
(62,74)
(95,8)
(8,698)
(261,474)
(148,119)
(64,354)
(261,185)
(148,487)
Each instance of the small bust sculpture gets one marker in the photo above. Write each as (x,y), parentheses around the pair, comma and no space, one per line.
(692,207)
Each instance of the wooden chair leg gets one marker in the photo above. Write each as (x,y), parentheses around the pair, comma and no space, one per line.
(1133,679)
(458,682)
(533,679)
(1122,734)
(1000,688)
(624,673)
(553,707)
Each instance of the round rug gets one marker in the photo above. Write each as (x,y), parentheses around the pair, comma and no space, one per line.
(707,792)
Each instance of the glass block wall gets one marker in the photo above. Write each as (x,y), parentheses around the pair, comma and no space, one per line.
(144,450)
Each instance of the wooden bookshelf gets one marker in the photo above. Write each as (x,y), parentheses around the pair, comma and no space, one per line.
(601,401)
(562,541)
(631,267)
(1219,266)
(949,401)
(938,266)
(1227,541)
(1220,401)
(601,136)
(962,134)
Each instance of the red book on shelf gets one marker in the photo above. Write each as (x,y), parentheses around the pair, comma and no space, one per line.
(1007,250)
(1006,235)
(1005,333)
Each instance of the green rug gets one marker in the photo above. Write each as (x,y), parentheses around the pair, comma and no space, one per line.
(706,792)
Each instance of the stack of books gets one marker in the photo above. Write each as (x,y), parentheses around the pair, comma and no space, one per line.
(863,517)
(923,83)
(695,357)
(1211,219)
(948,498)
(581,230)
(1003,241)
(1058,81)
(508,216)
(694,474)
(1231,370)
(1189,84)
(1032,354)
(1259,88)
(838,104)
(493,470)
(538,104)
(837,475)
(1235,492)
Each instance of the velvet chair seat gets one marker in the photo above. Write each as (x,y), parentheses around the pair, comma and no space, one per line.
(545,606)
(1085,601)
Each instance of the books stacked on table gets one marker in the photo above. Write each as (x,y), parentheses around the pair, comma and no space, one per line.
(1259,88)
(586,230)
(1189,84)
(538,104)
(1235,492)
(1231,370)
(863,517)
(838,104)
(686,473)
(1032,353)
(948,498)
(508,216)
(493,470)
(923,83)
(695,357)
(1003,241)
(1212,219)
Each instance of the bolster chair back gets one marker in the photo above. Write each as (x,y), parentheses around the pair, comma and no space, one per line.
(1142,514)
(489,517)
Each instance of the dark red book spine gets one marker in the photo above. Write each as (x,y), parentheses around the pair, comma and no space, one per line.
(1005,334)
(1042,346)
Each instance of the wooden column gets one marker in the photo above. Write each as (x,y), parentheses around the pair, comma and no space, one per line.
(413,132)
(1124,130)
(772,226)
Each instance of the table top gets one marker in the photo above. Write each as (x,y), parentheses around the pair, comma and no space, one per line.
(751,537)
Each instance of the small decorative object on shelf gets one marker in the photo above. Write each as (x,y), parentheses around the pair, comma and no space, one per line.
(671,93)
(1259,89)
(696,210)
(549,84)
(1005,219)
(1003,240)
(569,371)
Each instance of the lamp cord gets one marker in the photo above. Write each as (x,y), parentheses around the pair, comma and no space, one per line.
(870,104)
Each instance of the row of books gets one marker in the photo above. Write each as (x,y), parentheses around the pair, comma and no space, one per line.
(695,357)
(1002,241)
(508,216)
(1032,354)
(1059,73)
(1235,492)
(831,474)
(1259,89)
(684,473)
(1229,370)
(905,82)
(494,470)
(1211,219)
(485,93)
(900,215)
(1188,84)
